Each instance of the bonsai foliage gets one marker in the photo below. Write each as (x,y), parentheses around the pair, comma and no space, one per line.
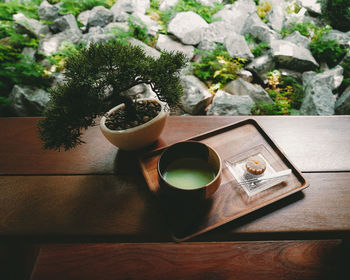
(95,79)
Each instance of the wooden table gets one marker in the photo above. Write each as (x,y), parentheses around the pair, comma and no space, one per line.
(88,214)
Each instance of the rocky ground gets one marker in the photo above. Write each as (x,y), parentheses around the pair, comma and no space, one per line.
(187,31)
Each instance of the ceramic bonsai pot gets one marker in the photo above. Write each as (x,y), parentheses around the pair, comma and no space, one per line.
(140,136)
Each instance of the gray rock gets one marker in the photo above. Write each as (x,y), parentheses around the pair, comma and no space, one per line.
(342,38)
(258,29)
(241,87)
(246,6)
(123,8)
(216,32)
(51,44)
(261,66)
(99,16)
(166,43)
(167,4)
(276,16)
(342,105)
(236,45)
(28,102)
(64,23)
(311,5)
(298,39)
(225,104)
(187,27)
(290,73)
(29,52)
(148,50)
(30,26)
(245,75)
(196,95)
(141,91)
(58,78)
(100,38)
(83,17)
(115,26)
(291,56)
(334,76)
(46,11)
(146,21)
(319,99)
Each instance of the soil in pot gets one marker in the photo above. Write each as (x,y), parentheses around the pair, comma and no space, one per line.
(145,111)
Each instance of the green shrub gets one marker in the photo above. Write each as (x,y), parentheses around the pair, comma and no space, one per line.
(76,7)
(338,13)
(163,17)
(286,93)
(217,67)
(328,51)
(346,73)
(138,30)
(259,47)
(27,7)
(307,29)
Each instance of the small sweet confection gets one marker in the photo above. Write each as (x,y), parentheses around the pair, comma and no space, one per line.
(255,165)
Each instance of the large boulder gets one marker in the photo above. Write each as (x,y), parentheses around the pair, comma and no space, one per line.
(291,56)
(123,8)
(215,32)
(99,16)
(83,17)
(342,105)
(225,104)
(196,95)
(242,87)
(298,39)
(64,23)
(166,43)
(261,65)
(148,50)
(258,29)
(341,37)
(51,44)
(236,45)
(319,98)
(46,11)
(28,102)
(187,27)
(30,26)
(276,16)
(313,6)
(335,75)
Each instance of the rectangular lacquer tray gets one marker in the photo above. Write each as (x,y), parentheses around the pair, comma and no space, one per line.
(230,201)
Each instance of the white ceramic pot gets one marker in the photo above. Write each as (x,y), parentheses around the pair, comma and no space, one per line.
(140,136)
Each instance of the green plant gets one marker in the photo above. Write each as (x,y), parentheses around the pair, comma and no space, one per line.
(307,29)
(95,81)
(346,73)
(286,93)
(328,51)
(337,12)
(259,48)
(27,7)
(263,8)
(138,30)
(163,17)
(216,68)
(76,7)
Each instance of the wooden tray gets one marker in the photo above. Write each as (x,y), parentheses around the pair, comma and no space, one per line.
(229,202)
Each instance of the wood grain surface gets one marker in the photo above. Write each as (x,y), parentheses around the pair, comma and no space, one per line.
(311,143)
(121,208)
(229,260)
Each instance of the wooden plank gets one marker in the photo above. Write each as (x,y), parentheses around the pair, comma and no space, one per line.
(311,143)
(121,208)
(281,260)
(17,259)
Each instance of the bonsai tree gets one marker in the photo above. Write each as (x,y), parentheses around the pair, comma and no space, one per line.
(95,81)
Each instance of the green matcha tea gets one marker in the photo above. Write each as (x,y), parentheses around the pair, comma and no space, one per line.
(189,173)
